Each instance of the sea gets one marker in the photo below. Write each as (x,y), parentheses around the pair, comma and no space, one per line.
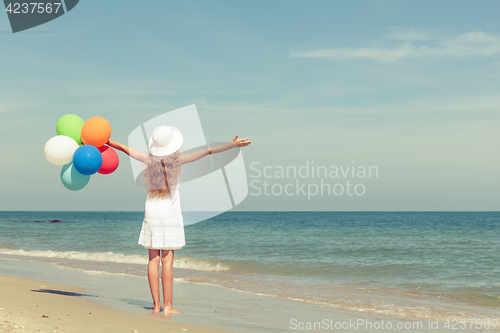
(427,266)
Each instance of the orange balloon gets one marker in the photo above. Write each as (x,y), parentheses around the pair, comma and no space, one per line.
(96,132)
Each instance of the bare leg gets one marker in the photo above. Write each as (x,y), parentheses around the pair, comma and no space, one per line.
(167,280)
(153,277)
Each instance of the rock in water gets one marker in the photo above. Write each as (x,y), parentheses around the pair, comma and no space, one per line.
(53,221)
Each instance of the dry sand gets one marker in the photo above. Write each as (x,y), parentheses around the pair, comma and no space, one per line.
(33,306)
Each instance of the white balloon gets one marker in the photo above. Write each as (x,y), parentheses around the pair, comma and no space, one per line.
(59,150)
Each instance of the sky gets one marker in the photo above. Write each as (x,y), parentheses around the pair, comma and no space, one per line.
(410,88)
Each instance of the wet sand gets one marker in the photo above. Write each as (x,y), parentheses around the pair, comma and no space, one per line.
(34,306)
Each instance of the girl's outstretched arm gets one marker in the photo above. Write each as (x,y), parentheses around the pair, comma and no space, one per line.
(143,157)
(217,149)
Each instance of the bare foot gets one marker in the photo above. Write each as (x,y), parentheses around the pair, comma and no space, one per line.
(170,309)
(156,309)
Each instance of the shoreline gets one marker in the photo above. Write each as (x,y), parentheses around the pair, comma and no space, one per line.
(205,307)
(123,302)
(28,305)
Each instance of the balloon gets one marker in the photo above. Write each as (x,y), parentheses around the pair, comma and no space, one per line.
(70,125)
(87,160)
(59,149)
(110,160)
(72,179)
(96,131)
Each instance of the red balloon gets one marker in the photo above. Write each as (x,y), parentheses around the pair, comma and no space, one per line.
(110,160)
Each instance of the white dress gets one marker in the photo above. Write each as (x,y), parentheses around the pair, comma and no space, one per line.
(163,226)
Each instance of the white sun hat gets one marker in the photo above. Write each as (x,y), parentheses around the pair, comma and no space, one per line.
(165,141)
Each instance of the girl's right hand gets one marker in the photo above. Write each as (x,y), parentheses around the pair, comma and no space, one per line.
(241,142)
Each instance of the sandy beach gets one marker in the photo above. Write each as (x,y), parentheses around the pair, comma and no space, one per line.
(34,306)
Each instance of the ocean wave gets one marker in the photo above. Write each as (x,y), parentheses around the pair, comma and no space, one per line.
(75,255)
(206,265)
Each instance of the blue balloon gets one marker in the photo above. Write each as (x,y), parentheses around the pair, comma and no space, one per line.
(72,179)
(87,159)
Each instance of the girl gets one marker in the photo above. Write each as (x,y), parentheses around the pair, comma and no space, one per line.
(163,228)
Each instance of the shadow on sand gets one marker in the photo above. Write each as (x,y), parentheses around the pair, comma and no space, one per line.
(60,292)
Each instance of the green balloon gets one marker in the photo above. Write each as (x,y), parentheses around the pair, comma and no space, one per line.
(70,125)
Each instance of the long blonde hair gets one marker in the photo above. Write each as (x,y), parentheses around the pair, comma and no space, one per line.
(162,171)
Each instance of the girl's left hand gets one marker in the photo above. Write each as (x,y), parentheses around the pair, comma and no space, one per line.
(241,142)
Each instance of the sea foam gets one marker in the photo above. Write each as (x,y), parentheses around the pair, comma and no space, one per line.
(206,265)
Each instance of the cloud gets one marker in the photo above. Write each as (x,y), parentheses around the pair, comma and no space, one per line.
(447,108)
(414,45)
(409,34)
